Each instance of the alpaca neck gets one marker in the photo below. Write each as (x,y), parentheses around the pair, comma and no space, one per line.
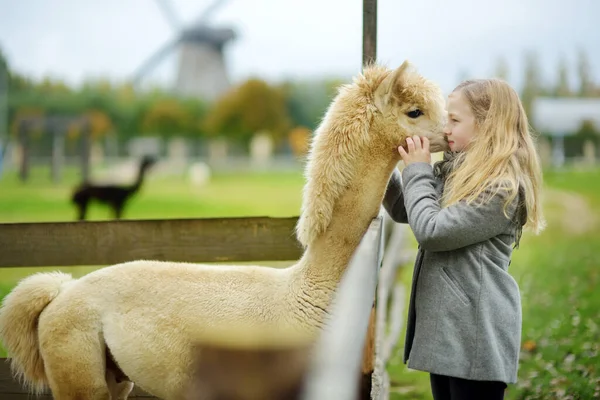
(138,181)
(327,257)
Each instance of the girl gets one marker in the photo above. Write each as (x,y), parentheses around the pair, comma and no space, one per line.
(467,213)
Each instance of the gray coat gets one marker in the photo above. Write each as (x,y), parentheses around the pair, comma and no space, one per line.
(464,318)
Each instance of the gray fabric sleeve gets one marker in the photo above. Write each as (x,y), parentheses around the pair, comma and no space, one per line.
(450,228)
(393,201)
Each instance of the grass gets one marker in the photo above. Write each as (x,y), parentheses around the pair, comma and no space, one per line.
(557,271)
(272,194)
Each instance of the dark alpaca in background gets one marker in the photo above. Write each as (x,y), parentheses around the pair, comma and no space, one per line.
(114,196)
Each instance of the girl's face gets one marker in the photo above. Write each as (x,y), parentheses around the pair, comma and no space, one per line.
(460,128)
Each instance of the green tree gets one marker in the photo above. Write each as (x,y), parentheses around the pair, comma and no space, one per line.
(586,83)
(166,117)
(251,107)
(532,85)
(307,101)
(562,85)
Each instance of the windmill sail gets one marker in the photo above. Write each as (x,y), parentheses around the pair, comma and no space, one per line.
(202,71)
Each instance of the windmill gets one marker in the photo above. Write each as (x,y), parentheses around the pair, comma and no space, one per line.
(201,70)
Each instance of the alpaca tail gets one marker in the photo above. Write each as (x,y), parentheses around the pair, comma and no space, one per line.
(19,315)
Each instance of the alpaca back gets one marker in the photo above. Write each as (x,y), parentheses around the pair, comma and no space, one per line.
(19,315)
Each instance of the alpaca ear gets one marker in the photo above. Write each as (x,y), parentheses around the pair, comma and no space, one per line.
(385,89)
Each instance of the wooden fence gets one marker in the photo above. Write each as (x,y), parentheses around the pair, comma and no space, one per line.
(110,242)
(206,240)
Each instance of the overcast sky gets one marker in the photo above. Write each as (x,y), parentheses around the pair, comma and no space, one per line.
(278,39)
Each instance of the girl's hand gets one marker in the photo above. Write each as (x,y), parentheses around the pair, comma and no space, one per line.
(417,151)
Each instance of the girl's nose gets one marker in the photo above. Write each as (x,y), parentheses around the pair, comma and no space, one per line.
(447,130)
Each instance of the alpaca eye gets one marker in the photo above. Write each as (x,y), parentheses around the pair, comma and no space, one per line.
(414,113)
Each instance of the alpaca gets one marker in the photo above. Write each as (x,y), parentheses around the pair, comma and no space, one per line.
(113,195)
(145,316)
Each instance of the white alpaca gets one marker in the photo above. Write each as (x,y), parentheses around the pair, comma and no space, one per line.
(147,315)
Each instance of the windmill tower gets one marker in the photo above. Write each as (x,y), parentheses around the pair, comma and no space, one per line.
(201,70)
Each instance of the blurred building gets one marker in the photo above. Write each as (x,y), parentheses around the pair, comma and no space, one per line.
(560,117)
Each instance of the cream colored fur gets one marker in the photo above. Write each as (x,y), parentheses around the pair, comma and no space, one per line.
(150,313)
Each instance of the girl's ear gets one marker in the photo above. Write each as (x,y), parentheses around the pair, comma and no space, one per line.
(391,82)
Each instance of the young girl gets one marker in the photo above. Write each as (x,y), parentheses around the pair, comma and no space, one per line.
(467,212)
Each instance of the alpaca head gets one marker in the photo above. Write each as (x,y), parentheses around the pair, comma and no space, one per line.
(407,104)
(368,118)
(147,162)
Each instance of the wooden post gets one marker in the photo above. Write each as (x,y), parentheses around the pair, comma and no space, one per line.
(369,31)
(589,153)
(226,372)
(58,147)
(86,149)
(368,360)
(4,135)
(24,143)
(369,55)
(558,150)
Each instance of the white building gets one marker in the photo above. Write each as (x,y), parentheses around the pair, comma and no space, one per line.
(563,116)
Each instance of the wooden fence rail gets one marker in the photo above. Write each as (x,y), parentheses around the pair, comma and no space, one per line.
(111,242)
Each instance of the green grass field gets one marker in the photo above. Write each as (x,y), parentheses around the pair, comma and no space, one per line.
(558,271)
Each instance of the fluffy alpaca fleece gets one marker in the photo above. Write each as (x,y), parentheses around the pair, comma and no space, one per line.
(147,315)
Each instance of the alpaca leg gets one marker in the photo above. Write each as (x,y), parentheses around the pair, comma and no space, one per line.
(121,390)
(82,210)
(75,364)
(118,209)
(118,390)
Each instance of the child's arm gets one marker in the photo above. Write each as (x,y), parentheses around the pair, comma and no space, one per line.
(393,201)
(444,229)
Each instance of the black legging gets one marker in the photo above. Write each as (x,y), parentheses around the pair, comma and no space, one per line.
(450,388)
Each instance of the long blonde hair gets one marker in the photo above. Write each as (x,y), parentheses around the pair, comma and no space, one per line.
(502,154)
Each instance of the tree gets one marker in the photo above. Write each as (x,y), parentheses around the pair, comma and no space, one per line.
(100,123)
(562,85)
(532,85)
(299,139)
(166,117)
(587,130)
(586,83)
(308,101)
(196,109)
(3,61)
(249,108)
(501,68)
(53,86)
(574,144)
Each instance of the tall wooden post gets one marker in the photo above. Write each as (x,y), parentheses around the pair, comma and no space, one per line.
(58,154)
(4,136)
(369,31)
(369,56)
(24,142)
(86,149)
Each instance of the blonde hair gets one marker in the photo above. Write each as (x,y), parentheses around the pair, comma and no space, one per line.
(502,154)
